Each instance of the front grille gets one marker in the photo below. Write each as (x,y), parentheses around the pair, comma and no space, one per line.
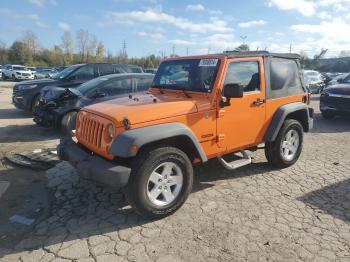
(25,74)
(91,131)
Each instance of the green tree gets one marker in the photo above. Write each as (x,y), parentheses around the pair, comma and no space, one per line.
(20,54)
(242,48)
(3,53)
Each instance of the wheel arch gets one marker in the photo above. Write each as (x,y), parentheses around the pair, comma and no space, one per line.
(297,111)
(60,117)
(174,134)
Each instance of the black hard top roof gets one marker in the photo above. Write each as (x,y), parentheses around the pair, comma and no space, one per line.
(233,54)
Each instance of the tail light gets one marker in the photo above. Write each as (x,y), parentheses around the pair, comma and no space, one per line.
(307,99)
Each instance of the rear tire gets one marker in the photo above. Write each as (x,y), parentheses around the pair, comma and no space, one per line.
(68,122)
(14,78)
(286,149)
(327,114)
(161,180)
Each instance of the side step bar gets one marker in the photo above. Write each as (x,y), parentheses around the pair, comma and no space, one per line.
(245,160)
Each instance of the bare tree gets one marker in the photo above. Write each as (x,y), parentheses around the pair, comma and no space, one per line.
(82,43)
(68,47)
(31,41)
(100,52)
(92,48)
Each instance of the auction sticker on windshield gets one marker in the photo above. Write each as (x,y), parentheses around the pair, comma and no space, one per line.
(208,62)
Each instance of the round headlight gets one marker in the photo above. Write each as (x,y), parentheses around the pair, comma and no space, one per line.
(111,130)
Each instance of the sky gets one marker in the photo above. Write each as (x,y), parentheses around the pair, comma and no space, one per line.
(187,27)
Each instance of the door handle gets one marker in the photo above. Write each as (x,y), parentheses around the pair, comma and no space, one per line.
(259,102)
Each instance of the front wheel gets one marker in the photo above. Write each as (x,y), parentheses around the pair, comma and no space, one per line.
(286,149)
(160,182)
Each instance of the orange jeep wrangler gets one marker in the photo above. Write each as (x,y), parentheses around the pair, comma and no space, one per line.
(197,108)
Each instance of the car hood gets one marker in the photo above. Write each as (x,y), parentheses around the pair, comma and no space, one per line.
(146,107)
(58,93)
(41,82)
(339,89)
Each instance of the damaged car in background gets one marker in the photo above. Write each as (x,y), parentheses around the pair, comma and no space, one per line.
(26,94)
(314,81)
(58,106)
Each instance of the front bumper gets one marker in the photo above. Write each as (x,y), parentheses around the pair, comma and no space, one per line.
(21,77)
(45,117)
(339,105)
(91,166)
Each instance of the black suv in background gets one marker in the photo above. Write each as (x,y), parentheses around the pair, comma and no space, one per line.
(26,94)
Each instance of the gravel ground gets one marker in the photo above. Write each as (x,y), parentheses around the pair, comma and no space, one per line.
(256,213)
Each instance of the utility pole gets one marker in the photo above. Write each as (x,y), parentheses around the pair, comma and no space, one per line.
(243,37)
(290,48)
(173,50)
(187,51)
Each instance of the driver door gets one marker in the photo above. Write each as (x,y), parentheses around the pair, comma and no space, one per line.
(241,124)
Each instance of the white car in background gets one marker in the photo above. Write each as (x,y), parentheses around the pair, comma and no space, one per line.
(314,81)
(16,72)
(0,71)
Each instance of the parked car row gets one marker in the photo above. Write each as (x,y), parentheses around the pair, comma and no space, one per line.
(16,72)
(55,101)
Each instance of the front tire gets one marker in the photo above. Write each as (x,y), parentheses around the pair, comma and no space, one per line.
(160,182)
(286,149)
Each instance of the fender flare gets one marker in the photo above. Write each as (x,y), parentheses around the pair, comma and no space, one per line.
(281,115)
(122,144)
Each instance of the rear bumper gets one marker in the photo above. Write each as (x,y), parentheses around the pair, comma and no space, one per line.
(91,166)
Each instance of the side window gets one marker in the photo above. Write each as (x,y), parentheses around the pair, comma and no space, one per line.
(117,87)
(84,73)
(143,84)
(105,69)
(245,74)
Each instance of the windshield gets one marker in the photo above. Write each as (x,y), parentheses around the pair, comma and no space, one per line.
(196,75)
(90,86)
(64,73)
(20,68)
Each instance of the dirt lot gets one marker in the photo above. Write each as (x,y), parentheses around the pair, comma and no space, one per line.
(256,213)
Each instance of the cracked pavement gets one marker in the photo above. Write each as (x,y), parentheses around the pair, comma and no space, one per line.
(256,213)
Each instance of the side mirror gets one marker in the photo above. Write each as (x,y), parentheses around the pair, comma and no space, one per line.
(231,91)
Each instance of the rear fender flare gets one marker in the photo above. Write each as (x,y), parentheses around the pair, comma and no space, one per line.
(282,114)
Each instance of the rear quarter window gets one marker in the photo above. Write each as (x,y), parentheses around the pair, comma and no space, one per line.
(285,78)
